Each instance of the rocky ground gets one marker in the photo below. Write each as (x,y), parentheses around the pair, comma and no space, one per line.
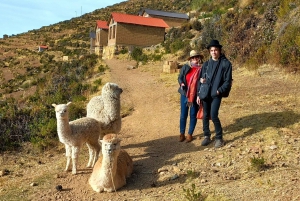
(260,160)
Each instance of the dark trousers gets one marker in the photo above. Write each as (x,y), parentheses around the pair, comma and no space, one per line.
(211,108)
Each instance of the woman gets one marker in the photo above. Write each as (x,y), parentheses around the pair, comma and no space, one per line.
(188,80)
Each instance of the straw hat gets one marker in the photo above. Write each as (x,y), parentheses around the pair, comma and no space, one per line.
(194,53)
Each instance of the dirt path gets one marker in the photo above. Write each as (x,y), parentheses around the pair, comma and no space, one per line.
(150,135)
(260,121)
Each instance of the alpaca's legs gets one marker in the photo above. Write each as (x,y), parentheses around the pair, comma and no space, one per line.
(97,151)
(98,189)
(75,151)
(68,155)
(94,149)
(91,155)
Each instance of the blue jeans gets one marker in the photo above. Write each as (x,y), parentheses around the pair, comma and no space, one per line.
(184,110)
(211,108)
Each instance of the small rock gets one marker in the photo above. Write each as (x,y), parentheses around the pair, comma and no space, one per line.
(33,184)
(273,147)
(174,177)
(162,170)
(4,172)
(131,67)
(203,181)
(176,169)
(59,187)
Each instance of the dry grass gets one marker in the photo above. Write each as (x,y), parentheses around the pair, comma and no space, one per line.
(261,119)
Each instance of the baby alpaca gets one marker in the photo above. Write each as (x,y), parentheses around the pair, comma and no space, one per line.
(75,133)
(106,108)
(113,166)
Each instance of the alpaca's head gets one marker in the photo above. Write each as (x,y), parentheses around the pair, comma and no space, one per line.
(112,90)
(61,110)
(111,144)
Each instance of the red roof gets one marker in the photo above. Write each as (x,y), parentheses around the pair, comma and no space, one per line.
(44,46)
(101,24)
(139,20)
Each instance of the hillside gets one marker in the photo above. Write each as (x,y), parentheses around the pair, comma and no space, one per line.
(261,158)
(260,161)
(255,33)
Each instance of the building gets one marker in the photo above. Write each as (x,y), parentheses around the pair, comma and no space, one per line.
(172,19)
(42,48)
(101,36)
(133,31)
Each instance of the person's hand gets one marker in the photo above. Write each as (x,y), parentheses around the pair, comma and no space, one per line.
(202,80)
(218,92)
(198,100)
(182,86)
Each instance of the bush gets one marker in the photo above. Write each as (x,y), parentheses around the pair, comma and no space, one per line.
(257,164)
(176,45)
(197,25)
(286,49)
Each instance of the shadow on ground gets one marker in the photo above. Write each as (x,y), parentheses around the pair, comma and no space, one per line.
(258,122)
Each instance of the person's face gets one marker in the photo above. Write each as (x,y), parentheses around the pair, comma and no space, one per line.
(195,59)
(215,53)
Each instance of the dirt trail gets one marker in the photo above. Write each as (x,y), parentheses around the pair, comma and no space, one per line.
(259,121)
(149,134)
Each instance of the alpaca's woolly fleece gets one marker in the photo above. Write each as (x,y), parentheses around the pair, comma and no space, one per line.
(106,108)
(75,133)
(112,168)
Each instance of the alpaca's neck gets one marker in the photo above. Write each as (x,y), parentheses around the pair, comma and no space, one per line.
(113,106)
(109,166)
(63,129)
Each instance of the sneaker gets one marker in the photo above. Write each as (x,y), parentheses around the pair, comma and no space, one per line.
(219,143)
(206,141)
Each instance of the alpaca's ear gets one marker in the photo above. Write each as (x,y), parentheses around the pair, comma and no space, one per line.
(54,105)
(69,103)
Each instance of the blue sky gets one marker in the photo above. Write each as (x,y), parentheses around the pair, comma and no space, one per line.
(19,16)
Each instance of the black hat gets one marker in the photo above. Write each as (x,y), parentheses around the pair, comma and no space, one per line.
(214,43)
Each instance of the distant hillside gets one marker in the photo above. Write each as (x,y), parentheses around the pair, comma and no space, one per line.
(253,33)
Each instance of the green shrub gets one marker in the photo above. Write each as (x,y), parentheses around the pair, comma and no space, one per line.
(98,82)
(257,164)
(285,7)
(138,55)
(191,195)
(197,25)
(176,45)
(124,51)
(101,68)
(286,49)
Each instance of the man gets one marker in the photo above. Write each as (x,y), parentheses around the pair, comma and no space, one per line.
(218,71)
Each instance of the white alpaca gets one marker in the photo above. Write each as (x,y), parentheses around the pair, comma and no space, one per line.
(75,133)
(106,108)
(112,168)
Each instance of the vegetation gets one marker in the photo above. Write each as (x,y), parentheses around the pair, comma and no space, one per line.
(257,164)
(191,195)
(253,32)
